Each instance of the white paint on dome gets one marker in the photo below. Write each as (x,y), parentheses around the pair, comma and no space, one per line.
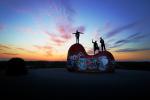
(103,63)
(104,60)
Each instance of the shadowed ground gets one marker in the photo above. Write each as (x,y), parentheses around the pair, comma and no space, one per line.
(45,83)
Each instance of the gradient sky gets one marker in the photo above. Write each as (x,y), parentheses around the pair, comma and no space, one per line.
(42,29)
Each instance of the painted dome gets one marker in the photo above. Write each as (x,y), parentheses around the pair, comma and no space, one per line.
(79,60)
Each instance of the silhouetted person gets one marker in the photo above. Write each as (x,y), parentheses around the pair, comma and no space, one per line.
(77,34)
(95,46)
(102,44)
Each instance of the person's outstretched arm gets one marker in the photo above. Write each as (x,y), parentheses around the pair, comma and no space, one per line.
(92,41)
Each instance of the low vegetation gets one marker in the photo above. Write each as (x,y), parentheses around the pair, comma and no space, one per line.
(62,64)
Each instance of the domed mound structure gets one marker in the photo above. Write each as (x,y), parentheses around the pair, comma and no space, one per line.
(79,60)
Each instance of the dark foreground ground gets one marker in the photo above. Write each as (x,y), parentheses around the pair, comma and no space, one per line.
(58,82)
(62,64)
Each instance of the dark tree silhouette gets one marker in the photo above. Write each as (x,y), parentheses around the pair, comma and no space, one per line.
(16,66)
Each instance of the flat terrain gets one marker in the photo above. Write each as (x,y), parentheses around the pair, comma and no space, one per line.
(48,82)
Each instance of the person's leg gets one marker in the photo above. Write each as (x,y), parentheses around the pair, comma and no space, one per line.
(104,48)
(77,39)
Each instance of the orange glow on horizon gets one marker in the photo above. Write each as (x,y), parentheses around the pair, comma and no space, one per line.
(132,56)
(119,56)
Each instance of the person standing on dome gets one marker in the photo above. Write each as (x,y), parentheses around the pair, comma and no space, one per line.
(102,44)
(95,46)
(77,35)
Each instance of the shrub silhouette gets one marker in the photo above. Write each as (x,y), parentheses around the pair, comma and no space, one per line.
(16,66)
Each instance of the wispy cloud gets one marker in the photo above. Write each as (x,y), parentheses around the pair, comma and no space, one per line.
(99,31)
(62,9)
(47,49)
(122,28)
(64,16)
(4,46)
(12,48)
(10,54)
(26,30)
(131,50)
(131,38)
(58,40)
(65,30)
(25,50)
(43,47)
(81,28)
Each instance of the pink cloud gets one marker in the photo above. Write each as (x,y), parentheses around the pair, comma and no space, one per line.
(81,28)
(63,14)
(65,31)
(1,27)
(58,40)
(27,30)
(48,49)
(50,34)
(64,20)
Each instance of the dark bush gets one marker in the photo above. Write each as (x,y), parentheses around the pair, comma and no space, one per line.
(16,66)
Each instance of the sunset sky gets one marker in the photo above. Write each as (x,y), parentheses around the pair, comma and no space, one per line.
(42,29)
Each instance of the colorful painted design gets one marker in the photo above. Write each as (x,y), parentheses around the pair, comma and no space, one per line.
(79,60)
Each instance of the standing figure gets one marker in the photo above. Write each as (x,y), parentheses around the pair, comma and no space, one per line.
(102,44)
(77,35)
(95,46)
